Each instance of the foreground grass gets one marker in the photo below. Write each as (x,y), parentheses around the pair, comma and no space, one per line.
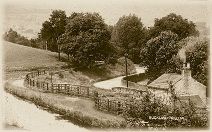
(78,110)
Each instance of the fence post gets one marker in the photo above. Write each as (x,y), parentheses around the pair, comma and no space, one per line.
(52,88)
(71,89)
(65,88)
(68,88)
(58,88)
(88,91)
(29,82)
(78,90)
(38,85)
(43,86)
(96,99)
(108,105)
(119,107)
(47,85)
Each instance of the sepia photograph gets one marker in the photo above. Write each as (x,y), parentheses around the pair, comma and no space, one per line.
(105,65)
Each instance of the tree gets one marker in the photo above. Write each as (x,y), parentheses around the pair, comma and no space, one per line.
(129,34)
(159,53)
(46,34)
(53,29)
(11,35)
(86,39)
(197,55)
(14,37)
(175,23)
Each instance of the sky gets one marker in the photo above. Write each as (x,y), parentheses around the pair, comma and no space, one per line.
(22,13)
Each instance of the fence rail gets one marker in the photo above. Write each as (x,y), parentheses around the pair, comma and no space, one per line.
(102,103)
(111,106)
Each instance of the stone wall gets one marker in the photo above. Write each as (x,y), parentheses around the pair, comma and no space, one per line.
(134,84)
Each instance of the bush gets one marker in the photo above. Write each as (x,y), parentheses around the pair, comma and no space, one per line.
(151,109)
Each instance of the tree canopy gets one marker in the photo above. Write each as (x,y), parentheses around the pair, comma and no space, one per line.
(53,29)
(175,23)
(197,55)
(129,34)
(159,53)
(86,39)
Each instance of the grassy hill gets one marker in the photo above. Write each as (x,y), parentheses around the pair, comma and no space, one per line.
(18,57)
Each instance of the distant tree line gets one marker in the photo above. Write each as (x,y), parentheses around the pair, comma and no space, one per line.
(85,38)
(14,37)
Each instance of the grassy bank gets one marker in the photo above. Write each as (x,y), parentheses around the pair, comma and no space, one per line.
(78,110)
(18,64)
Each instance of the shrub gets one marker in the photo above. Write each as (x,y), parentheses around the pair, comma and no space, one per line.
(149,106)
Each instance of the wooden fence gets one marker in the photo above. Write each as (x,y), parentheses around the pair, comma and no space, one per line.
(111,104)
(78,90)
(102,102)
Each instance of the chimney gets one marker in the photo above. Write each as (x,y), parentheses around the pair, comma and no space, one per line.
(186,74)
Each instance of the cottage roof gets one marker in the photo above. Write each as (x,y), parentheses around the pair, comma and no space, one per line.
(193,87)
(163,81)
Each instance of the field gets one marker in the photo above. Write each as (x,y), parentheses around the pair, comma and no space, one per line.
(18,57)
(19,60)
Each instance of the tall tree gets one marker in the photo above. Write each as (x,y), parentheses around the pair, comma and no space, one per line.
(129,34)
(86,39)
(175,23)
(159,53)
(53,29)
(197,55)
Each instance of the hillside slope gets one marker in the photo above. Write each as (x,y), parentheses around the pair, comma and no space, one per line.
(18,57)
(22,58)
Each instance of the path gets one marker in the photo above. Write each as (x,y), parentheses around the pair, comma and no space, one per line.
(116,82)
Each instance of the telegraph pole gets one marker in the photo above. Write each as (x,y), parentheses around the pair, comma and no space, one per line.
(126,55)
(58,48)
